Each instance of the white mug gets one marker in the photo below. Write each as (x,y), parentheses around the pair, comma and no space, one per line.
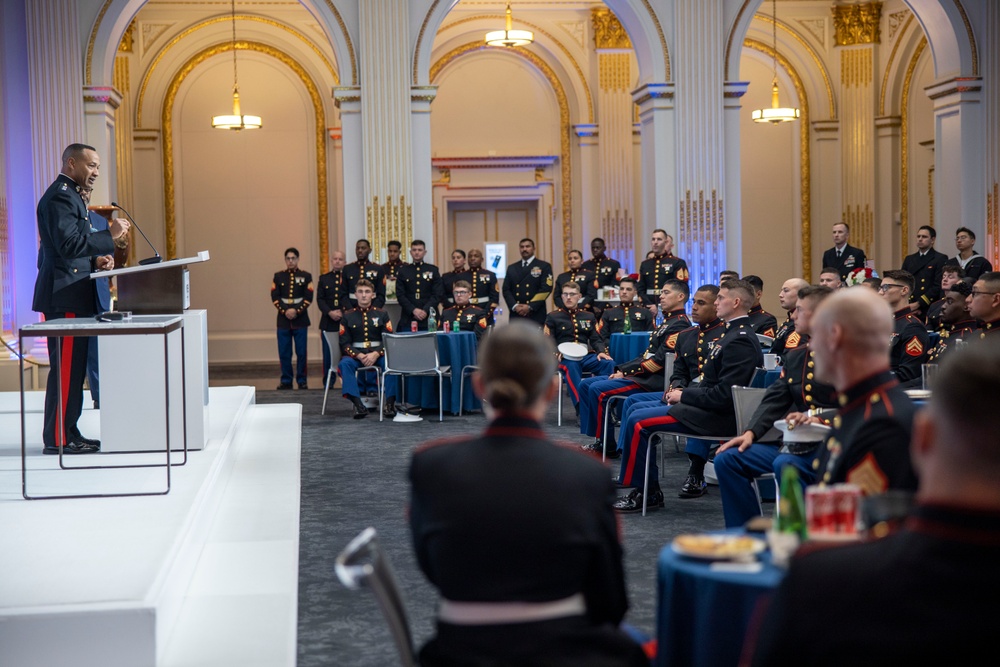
(770,362)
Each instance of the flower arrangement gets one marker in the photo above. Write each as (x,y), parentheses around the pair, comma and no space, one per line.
(860,275)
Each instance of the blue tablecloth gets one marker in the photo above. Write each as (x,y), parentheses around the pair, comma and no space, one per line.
(625,347)
(703,614)
(764,379)
(455,350)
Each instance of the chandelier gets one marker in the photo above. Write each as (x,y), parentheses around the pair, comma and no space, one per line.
(235,121)
(777,113)
(508,37)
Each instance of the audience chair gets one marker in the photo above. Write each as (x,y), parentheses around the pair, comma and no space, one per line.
(416,355)
(745,401)
(362,563)
(332,372)
(466,372)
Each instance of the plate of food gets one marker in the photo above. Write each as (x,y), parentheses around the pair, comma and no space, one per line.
(717,547)
(918,393)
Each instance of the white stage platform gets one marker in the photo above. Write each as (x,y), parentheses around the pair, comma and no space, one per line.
(206,575)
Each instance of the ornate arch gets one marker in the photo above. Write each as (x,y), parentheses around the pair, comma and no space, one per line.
(565,127)
(904,138)
(115,16)
(166,122)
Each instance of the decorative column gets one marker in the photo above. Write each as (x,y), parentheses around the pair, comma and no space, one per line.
(55,79)
(421,98)
(348,101)
(958,153)
(701,155)
(615,114)
(659,169)
(825,201)
(384,28)
(590,184)
(732,92)
(990,70)
(887,232)
(123,121)
(856,31)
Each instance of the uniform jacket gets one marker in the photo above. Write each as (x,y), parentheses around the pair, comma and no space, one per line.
(588,290)
(906,610)
(707,408)
(390,270)
(484,289)
(292,289)
(926,272)
(909,347)
(966,330)
(989,329)
(647,370)
(66,250)
(331,294)
(796,390)
(605,271)
(417,286)
(691,352)
(870,441)
(786,339)
(654,274)
(934,315)
(355,271)
(530,284)
(613,320)
(473,548)
(851,258)
(577,326)
(361,331)
(762,321)
(975,267)
(469,318)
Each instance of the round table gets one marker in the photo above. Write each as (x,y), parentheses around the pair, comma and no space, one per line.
(456,349)
(625,347)
(703,611)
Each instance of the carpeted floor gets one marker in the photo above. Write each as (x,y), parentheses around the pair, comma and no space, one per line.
(354,476)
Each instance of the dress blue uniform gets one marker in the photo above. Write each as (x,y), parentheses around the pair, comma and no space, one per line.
(528,284)
(292,289)
(578,326)
(654,274)
(361,332)
(909,347)
(331,294)
(484,290)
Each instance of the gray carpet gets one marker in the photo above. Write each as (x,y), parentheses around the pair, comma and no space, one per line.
(354,476)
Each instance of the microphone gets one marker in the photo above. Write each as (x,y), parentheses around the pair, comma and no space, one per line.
(149,260)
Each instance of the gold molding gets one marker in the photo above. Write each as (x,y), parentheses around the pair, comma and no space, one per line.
(585,85)
(820,66)
(614,71)
(125,46)
(857,24)
(148,76)
(805,167)
(904,197)
(565,129)
(663,39)
(732,34)
(856,67)
(329,4)
(166,126)
(972,37)
(420,41)
(888,67)
(608,30)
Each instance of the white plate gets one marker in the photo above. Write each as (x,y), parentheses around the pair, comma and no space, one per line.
(918,393)
(717,547)
(573,351)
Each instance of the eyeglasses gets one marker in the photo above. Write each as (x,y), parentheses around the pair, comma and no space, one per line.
(886,287)
(460,291)
(566,294)
(978,292)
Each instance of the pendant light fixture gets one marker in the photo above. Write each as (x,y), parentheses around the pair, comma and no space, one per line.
(508,37)
(235,121)
(777,113)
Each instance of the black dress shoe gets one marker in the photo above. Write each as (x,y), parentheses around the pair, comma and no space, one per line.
(694,487)
(360,411)
(633,501)
(284,387)
(389,408)
(303,386)
(73,447)
(613,452)
(592,447)
(87,441)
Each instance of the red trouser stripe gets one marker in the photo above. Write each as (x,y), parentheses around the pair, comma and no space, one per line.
(65,370)
(603,398)
(569,383)
(634,444)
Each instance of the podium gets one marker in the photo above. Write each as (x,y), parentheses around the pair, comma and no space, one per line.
(129,406)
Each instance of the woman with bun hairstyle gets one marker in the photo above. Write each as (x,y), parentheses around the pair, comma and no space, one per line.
(517,532)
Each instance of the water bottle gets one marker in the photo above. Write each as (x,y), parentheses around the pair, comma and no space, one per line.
(791,513)
(627,326)
(497,312)
(659,319)
(432,324)
(456,327)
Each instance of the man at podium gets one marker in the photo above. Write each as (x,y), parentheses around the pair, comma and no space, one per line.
(68,251)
